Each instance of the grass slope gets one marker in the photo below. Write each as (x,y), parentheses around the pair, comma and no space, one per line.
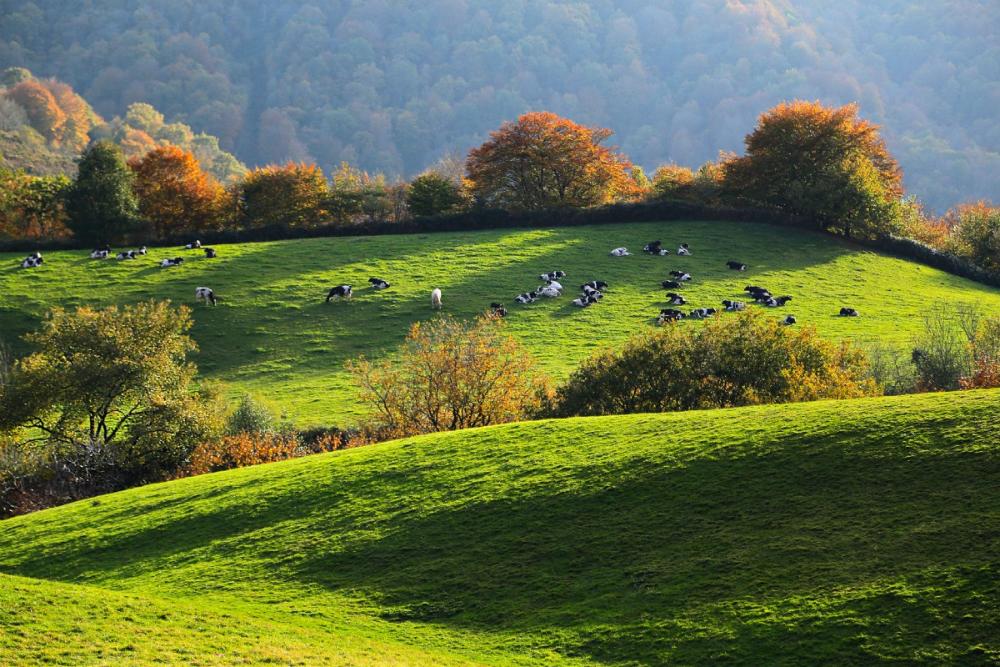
(824,533)
(273,334)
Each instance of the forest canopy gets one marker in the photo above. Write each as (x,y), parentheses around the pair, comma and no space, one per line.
(391,87)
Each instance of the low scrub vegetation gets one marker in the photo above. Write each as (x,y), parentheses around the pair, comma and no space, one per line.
(745,360)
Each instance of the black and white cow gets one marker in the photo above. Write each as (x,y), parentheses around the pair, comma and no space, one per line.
(552,276)
(669,315)
(340,292)
(32,261)
(526,297)
(555,284)
(701,313)
(127,254)
(378,283)
(848,312)
(586,300)
(789,320)
(736,266)
(142,251)
(676,299)
(655,248)
(194,245)
(497,310)
(550,291)
(594,285)
(671,284)
(210,253)
(776,301)
(206,294)
(733,306)
(100,253)
(684,250)
(620,252)
(681,276)
(174,261)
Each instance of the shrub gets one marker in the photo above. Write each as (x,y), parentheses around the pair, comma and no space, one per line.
(245,449)
(250,416)
(976,230)
(433,194)
(745,359)
(940,355)
(449,375)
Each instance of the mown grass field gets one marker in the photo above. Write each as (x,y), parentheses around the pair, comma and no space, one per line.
(273,334)
(824,533)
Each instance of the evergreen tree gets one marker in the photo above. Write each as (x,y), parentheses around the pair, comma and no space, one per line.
(102,205)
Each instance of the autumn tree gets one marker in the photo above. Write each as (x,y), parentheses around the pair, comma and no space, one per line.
(80,118)
(431,194)
(450,375)
(975,230)
(115,382)
(292,195)
(545,161)
(823,163)
(32,206)
(746,359)
(175,195)
(41,107)
(101,204)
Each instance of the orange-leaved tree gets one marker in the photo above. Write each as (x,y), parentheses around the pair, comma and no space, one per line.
(821,162)
(43,111)
(175,195)
(450,375)
(545,161)
(290,195)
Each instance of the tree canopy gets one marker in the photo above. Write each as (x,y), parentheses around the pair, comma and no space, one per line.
(102,206)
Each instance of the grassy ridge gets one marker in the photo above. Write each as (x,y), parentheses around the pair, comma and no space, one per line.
(273,334)
(825,533)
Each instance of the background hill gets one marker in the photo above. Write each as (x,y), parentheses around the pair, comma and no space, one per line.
(391,86)
(273,334)
(832,532)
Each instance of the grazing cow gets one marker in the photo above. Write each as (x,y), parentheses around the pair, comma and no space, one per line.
(620,252)
(676,299)
(736,266)
(848,312)
(100,253)
(436,298)
(681,276)
(209,253)
(378,283)
(788,321)
(527,297)
(549,291)
(654,248)
(701,313)
(340,292)
(205,293)
(175,261)
(594,285)
(671,284)
(733,306)
(194,245)
(497,310)
(684,250)
(552,276)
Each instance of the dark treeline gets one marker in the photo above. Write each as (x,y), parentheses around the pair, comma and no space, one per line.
(391,87)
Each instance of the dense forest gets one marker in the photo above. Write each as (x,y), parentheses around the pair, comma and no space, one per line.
(392,86)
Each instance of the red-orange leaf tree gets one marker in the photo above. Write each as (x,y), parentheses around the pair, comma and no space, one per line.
(545,161)
(175,195)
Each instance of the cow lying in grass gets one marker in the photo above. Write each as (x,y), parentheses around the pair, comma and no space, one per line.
(340,292)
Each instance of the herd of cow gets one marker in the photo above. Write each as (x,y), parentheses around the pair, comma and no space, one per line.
(591,292)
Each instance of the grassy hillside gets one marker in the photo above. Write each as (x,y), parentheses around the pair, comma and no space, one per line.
(274,335)
(824,533)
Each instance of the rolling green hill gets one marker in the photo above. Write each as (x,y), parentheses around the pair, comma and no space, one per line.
(822,533)
(274,335)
